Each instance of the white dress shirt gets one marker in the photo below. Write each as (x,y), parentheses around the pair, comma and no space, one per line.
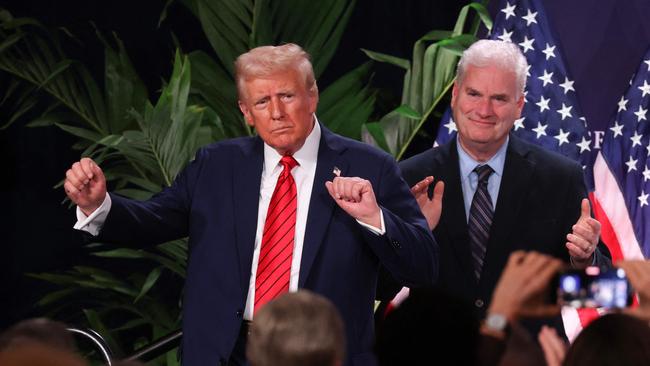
(303,174)
(469,178)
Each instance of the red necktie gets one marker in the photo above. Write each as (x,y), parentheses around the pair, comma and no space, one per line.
(274,266)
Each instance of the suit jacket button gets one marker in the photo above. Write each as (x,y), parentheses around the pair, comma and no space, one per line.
(240,313)
(479,303)
(396,244)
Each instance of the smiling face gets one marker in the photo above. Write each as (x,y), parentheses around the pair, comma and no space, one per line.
(485,105)
(280,108)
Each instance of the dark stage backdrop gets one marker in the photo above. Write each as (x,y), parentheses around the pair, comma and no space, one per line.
(602,41)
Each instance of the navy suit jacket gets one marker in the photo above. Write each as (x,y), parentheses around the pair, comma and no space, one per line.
(215,200)
(538,203)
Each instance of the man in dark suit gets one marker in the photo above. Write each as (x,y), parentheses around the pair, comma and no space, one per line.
(294,207)
(501,194)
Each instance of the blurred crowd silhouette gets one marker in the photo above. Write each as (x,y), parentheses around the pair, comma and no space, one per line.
(429,327)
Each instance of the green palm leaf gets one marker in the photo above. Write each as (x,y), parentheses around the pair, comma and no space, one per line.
(32,53)
(348,103)
(318,29)
(234,26)
(429,76)
(216,88)
(34,58)
(168,133)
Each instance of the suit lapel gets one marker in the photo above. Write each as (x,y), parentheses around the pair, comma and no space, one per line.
(517,174)
(247,173)
(321,205)
(453,214)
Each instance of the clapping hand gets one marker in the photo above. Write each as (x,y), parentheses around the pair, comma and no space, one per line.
(431,207)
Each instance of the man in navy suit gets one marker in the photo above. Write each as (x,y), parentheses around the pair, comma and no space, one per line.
(353,213)
(536,198)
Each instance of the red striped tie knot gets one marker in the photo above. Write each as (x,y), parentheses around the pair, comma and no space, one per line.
(288,163)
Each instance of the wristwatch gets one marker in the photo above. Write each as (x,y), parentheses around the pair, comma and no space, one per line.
(497,322)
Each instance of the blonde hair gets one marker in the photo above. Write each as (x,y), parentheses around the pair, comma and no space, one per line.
(265,61)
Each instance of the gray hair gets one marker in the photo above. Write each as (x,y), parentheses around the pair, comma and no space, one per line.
(265,61)
(487,52)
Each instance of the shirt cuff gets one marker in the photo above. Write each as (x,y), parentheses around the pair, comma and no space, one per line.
(93,224)
(593,259)
(374,230)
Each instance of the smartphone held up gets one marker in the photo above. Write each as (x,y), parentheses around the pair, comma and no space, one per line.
(593,288)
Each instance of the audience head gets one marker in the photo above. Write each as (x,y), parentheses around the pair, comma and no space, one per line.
(613,339)
(38,354)
(296,329)
(430,324)
(40,330)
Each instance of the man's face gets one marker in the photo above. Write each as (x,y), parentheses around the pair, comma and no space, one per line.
(281,109)
(485,107)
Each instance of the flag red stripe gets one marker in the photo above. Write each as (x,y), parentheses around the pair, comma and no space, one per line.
(607,233)
(587,315)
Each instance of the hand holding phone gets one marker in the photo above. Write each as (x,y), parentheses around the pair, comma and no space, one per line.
(638,273)
(522,290)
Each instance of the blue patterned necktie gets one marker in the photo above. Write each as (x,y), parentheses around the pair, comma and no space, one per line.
(480,219)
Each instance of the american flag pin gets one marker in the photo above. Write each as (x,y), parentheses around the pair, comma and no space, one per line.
(336,171)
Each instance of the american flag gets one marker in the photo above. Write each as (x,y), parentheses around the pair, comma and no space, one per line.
(551,116)
(617,176)
(622,174)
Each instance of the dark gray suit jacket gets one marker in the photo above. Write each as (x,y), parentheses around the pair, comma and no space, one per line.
(538,203)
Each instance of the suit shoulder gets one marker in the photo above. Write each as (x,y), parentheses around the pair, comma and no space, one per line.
(224,148)
(362,149)
(428,162)
(429,158)
(548,158)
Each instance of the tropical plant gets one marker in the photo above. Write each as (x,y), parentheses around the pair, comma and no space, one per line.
(142,146)
(234,26)
(428,78)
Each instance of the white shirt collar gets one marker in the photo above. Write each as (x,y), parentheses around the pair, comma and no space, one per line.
(305,156)
(467,163)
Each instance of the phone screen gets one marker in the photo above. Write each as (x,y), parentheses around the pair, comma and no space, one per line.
(593,288)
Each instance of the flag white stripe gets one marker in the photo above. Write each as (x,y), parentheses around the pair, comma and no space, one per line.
(613,204)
